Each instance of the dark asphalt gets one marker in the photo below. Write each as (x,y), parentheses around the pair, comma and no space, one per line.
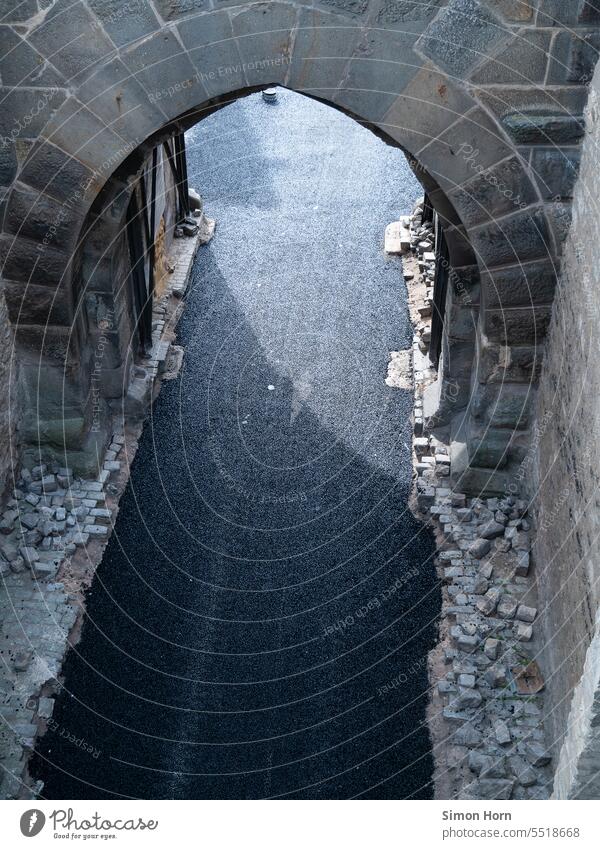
(265,580)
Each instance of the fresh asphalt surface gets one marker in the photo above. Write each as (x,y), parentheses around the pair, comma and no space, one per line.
(260,622)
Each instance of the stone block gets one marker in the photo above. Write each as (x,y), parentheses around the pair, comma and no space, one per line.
(8,164)
(115,95)
(517,326)
(524,632)
(37,304)
(126,22)
(21,65)
(64,23)
(466,698)
(471,144)
(498,363)
(49,169)
(502,733)
(491,647)
(491,530)
(165,72)
(347,7)
(536,754)
(22,259)
(574,57)
(542,129)
(560,216)
(490,788)
(499,190)
(401,11)
(80,133)
(37,103)
(375,77)
(523,772)
(29,555)
(426,498)
(522,237)
(462,33)
(96,530)
(468,643)
(214,52)
(468,736)
(502,405)
(488,447)
(507,608)
(321,49)
(525,613)
(521,62)
(523,562)
(556,171)
(44,571)
(264,36)
(524,285)
(519,11)
(414,126)
(35,216)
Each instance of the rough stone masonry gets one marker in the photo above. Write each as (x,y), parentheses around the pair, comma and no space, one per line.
(500,87)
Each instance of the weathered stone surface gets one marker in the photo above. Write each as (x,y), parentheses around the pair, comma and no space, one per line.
(125,22)
(468,736)
(480,548)
(513,10)
(544,129)
(556,171)
(401,11)
(264,36)
(522,62)
(462,33)
(370,87)
(317,37)
(165,71)
(536,754)
(491,788)
(525,285)
(491,648)
(63,24)
(503,406)
(457,154)
(525,613)
(522,771)
(8,164)
(518,325)
(521,237)
(31,213)
(496,676)
(172,9)
(504,188)
(491,530)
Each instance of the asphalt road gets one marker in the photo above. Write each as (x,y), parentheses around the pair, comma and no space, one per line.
(260,622)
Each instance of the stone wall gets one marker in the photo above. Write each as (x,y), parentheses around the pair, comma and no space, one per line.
(479,93)
(7,424)
(562,474)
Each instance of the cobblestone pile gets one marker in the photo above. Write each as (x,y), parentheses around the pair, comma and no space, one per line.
(52,535)
(487,707)
(488,686)
(50,516)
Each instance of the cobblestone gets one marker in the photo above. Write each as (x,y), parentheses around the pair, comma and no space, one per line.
(480,722)
(50,515)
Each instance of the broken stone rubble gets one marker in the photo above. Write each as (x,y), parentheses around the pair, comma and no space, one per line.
(488,737)
(51,517)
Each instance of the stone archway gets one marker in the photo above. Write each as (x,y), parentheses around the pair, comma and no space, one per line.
(470,90)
